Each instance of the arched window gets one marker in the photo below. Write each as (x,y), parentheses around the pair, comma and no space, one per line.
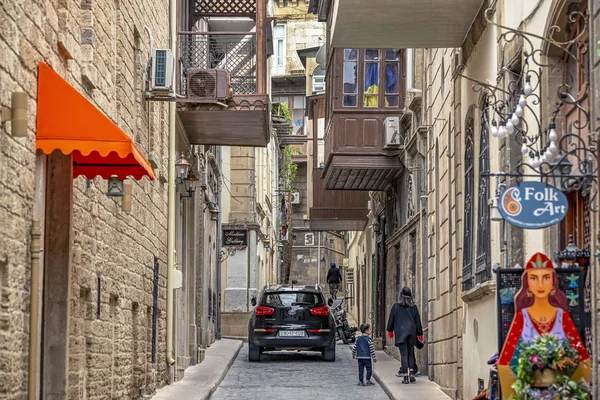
(482,268)
(469,206)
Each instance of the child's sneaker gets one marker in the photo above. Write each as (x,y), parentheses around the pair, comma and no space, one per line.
(361,383)
(369,383)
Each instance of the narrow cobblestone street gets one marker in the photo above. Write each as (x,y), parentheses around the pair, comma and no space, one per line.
(289,375)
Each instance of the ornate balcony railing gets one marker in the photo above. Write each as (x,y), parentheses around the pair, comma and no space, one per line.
(232,51)
(223,8)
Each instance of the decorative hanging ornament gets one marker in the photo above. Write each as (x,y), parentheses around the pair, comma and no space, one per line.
(524,149)
(494,130)
(553,148)
(528,89)
(519,111)
(501,131)
(515,119)
(510,128)
(553,136)
(522,99)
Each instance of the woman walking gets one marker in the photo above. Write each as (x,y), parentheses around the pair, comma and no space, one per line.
(405,325)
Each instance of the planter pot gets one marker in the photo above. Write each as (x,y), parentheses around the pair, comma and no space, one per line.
(543,379)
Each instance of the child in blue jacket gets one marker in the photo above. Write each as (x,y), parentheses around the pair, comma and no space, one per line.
(364,351)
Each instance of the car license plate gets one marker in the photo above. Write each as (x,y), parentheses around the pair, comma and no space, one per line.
(291,333)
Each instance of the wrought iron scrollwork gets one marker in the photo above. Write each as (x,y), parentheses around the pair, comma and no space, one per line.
(553,151)
(227,252)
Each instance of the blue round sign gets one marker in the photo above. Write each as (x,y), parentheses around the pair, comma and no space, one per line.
(533,205)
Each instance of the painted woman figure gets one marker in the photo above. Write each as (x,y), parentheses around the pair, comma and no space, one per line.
(541,309)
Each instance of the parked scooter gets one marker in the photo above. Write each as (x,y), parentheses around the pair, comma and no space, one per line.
(344,331)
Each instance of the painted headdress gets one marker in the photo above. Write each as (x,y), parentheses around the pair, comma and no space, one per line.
(539,261)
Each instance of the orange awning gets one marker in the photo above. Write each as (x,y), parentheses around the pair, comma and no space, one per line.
(68,122)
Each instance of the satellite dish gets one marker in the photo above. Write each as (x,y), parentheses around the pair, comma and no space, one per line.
(322,56)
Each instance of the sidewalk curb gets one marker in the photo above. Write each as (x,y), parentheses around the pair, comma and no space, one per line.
(201,380)
(216,383)
(383,385)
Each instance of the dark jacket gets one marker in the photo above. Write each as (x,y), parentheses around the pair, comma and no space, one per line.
(364,348)
(334,275)
(405,322)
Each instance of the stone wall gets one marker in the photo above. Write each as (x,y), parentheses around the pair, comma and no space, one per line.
(444,310)
(99,47)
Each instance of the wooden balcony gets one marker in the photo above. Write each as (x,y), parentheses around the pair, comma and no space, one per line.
(397,23)
(332,210)
(356,155)
(242,116)
(337,210)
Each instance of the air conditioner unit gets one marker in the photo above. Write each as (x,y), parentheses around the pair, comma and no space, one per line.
(163,64)
(208,84)
(296,198)
(392,137)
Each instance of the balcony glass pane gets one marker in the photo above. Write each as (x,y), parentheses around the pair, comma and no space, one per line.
(391,78)
(351,54)
(392,55)
(350,101)
(371,84)
(298,122)
(350,77)
(392,101)
(372,55)
(299,102)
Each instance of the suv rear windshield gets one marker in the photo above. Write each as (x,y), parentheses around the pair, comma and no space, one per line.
(288,299)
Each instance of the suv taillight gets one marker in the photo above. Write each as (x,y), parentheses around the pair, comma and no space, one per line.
(262,310)
(322,311)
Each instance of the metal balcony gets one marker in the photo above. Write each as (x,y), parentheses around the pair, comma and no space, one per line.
(243,118)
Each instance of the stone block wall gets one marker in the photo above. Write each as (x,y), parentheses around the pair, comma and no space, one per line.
(100,47)
(442,222)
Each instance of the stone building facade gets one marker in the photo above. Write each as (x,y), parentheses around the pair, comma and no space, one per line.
(98,263)
(464,242)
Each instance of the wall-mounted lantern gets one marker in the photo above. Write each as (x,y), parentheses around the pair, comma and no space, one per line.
(213,209)
(191,181)
(115,187)
(183,168)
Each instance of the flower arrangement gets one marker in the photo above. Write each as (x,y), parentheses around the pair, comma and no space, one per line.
(543,371)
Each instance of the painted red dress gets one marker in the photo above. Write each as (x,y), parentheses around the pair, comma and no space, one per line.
(525,329)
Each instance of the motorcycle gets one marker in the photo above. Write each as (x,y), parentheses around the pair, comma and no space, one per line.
(343,330)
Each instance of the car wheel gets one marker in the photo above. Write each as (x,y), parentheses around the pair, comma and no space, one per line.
(329,352)
(253,353)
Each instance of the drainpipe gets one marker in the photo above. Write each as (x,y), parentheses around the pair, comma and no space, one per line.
(219,239)
(36,234)
(172,199)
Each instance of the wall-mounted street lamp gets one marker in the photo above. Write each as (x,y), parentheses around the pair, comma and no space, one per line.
(115,187)
(213,209)
(191,182)
(183,168)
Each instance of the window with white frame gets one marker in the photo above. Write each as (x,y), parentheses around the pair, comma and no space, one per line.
(278,61)
(318,80)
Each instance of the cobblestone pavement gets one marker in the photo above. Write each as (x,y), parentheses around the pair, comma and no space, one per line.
(293,375)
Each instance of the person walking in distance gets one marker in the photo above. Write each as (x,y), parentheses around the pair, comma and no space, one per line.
(334,278)
(404,324)
(364,352)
